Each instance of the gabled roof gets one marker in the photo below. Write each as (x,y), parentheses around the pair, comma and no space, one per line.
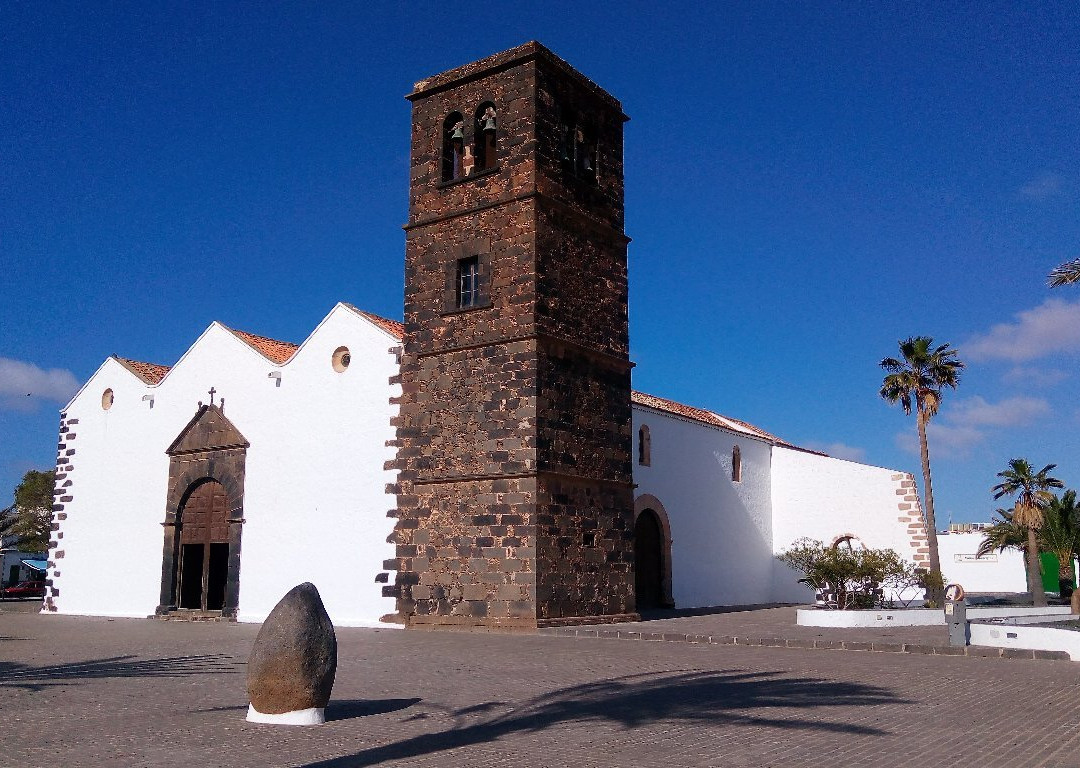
(273,350)
(208,430)
(707,417)
(151,373)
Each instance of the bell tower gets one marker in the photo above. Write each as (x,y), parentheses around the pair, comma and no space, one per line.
(514,492)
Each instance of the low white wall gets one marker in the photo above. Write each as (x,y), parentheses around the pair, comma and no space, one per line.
(912,617)
(1030,637)
(919,617)
(995,572)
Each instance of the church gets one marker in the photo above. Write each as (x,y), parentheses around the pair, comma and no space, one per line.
(484,463)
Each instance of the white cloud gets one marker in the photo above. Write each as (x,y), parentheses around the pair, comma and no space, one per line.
(964,423)
(24,386)
(1029,376)
(1011,412)
(945,440)
(838,450)
(1053,326)
(1043,186)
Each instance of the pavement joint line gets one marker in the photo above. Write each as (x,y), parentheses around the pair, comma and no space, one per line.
(973,651)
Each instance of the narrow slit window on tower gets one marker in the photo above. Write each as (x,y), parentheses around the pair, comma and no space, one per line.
(486,136)
(453,147)
(736,465)
(644,447)
(468,282)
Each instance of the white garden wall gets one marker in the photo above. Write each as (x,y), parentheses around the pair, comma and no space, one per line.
(823,498)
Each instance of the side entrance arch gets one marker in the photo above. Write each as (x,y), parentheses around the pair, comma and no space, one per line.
(652,554)
(204,517)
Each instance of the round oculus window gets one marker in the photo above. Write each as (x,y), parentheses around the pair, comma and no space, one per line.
(341,359)
(107,398)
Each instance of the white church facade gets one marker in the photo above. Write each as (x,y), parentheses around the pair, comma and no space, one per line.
(306,429)
(484,463)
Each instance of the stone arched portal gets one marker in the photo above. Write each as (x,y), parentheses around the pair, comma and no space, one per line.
(203,562)
(652,554)
(205,496)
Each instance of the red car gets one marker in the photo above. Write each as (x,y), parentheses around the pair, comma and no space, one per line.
(23,589)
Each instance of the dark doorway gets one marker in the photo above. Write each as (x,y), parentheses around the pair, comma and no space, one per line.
(202,571)
(648,561)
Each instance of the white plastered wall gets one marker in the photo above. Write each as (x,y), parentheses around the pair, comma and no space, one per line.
(995,572)
(721,531)
(315,482)
(823,498)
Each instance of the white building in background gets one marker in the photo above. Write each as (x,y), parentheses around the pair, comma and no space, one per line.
(994,572)
(252,465)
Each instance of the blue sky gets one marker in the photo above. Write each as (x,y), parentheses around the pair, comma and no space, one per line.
(806,184)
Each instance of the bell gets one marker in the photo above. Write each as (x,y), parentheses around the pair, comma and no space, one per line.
(586,163)
(457,133)
(487,124)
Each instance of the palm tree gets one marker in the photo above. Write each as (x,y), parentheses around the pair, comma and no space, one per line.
(918,378)
(1033,495)
(1003,534)
(1067,274)
(1060,534)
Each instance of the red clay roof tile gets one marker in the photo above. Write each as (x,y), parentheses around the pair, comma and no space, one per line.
(151,373)
(707,417)
(393,327)
(272,349)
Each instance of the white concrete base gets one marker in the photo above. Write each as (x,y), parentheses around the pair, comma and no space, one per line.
(913,617)
(1029,637)
(909,617)
(311,716)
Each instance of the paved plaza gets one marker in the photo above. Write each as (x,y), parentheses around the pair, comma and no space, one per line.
(93,692)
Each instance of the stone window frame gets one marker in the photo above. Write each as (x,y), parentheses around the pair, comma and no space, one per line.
(475,249)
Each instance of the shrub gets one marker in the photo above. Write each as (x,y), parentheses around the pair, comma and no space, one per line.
(851,578)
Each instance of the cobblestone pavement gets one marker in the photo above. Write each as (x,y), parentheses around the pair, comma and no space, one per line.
(91,692)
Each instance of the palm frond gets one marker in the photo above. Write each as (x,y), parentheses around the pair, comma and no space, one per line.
(1066,274)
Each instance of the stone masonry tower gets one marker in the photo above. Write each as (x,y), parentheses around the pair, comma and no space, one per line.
(515,500)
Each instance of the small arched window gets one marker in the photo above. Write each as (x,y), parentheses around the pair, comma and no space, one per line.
(485,136)
(453,147)
(644,443)
(736,465)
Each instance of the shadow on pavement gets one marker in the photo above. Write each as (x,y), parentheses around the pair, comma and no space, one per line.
(734,698)
(14,674)
(350,708)
(345,709)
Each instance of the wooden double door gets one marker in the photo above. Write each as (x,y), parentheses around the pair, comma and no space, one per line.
(203,562)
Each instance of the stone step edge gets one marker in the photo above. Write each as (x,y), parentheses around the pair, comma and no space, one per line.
(980,651)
